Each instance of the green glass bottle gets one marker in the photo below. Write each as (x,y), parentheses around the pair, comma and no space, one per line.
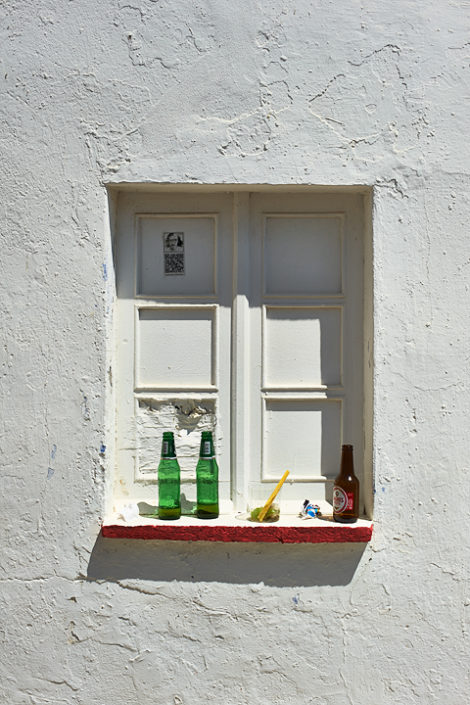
(169,505)
(207,479)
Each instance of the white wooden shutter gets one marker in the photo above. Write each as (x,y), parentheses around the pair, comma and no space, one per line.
(306,342)
(173,333)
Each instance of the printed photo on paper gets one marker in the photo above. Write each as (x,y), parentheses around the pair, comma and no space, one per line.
(173,253)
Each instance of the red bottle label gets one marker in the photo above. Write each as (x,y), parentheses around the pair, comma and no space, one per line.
(342,501)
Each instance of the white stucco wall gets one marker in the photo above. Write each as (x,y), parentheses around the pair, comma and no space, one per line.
(277,92)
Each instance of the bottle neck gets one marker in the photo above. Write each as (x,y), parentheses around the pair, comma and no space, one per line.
(207,447)
(347,463)
(168,447)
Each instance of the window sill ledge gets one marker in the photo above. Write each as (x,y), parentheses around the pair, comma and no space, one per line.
(289,529)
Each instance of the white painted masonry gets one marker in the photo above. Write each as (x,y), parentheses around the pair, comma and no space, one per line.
(316,93)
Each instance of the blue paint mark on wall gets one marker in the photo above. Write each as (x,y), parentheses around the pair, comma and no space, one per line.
(105,272)
(102,449)
(51,471)
(85,408)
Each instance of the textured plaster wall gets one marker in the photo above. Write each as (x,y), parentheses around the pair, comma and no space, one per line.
(317,92)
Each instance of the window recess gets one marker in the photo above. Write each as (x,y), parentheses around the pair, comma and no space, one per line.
(251,320)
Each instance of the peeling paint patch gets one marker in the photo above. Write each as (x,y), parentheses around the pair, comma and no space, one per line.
(187,418)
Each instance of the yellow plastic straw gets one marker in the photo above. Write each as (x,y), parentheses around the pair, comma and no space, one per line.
(272,497)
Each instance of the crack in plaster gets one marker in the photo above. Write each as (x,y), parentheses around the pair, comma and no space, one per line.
(134,8)
(444,571)
(393,185)
(427,260)
(464,46)
(75,688)
(347,141)
(213,612)
(138,587)
(352,82)
(394,47)
(326,88)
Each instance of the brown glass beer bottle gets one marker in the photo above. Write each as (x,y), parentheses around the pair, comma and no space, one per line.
(346,490)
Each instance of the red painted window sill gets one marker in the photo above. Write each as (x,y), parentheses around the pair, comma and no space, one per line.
(287,530)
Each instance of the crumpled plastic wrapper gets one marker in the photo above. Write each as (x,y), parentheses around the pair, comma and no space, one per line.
(309,510)
(129,512)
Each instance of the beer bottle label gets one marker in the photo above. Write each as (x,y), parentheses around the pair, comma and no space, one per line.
(206,451)
(342,501)
(166,451)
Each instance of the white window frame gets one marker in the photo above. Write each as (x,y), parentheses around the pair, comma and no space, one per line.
(240,451)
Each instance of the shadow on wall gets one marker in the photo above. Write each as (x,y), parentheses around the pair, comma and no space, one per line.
(277,565)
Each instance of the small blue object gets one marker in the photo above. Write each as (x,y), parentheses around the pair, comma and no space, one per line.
(309,509)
